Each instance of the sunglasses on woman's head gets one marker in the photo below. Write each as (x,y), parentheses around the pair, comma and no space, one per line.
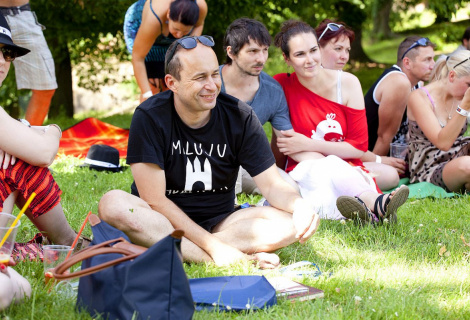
(8,54)
(189,43)
(458,64)
(423,42)
(330,26)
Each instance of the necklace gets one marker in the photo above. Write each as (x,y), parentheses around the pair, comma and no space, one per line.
(449,112)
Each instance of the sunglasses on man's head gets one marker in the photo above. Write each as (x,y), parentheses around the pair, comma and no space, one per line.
(330,26)
(423,42)
(189,43)
(8,54)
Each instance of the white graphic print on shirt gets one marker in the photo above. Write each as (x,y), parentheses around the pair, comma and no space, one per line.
(328,130)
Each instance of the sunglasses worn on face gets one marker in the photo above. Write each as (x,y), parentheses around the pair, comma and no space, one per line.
(189,43)
(458,64)
(423,42)
(8,54)
(330,26)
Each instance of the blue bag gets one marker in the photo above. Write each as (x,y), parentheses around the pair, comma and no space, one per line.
(232,293)
(120,280)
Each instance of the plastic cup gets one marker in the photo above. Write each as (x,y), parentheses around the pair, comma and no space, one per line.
(53,256)
(398,150)
(6,220)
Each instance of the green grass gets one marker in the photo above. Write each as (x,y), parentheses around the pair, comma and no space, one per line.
(387,272)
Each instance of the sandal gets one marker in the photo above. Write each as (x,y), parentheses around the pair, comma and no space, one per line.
(388,209)
(355,209)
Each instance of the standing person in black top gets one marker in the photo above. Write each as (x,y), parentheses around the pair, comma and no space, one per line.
(185,149)
(386,99)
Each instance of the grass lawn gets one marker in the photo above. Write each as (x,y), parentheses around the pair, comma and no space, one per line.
(417,268)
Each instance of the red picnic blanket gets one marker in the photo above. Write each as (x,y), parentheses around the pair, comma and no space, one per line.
(77,139)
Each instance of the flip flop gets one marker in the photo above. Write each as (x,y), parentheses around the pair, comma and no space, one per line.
(355,209)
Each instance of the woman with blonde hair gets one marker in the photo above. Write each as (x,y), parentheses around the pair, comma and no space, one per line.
(437,115)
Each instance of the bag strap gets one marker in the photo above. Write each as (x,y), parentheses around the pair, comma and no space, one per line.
(121,246)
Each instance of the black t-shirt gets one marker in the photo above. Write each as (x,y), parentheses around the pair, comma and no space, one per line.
(200,165)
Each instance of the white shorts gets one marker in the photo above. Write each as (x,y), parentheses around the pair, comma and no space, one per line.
(34,70)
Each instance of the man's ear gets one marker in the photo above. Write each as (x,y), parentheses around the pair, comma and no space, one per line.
(171,83)
(229,52)
(406,63)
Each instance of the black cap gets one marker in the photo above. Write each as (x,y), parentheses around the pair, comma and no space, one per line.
(5,38)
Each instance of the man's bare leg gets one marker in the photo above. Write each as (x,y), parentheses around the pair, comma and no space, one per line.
(38,106)
(259,229)
(141,224)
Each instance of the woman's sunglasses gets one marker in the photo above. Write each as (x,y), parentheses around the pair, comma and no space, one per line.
(423,42)
(188,43)
(458,64)
(330,26)
(8,54)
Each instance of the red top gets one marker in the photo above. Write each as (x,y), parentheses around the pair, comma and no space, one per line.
(322,119)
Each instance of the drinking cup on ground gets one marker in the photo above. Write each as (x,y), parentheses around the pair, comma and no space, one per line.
(398,150)
(53,256)
(6,221)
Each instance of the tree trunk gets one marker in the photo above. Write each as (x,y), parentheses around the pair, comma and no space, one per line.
(62,102)
(381,18)
(354,17)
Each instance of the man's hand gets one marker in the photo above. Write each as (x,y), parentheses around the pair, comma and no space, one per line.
(306,219)
(292,142)
(397,163)
(6,159)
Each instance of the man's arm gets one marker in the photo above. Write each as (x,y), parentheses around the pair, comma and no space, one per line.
(283,196)
(150,181)
(392,93)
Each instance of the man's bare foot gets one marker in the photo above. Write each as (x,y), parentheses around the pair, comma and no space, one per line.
(265,260)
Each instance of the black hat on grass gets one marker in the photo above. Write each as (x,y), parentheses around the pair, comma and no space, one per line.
(5,38)
(102,157)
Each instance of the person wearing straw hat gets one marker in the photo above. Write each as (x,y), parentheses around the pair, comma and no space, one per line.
(25,153)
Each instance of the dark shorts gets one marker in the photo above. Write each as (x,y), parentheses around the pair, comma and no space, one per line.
(210,224)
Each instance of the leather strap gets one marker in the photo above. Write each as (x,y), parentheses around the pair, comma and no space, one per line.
(121,246)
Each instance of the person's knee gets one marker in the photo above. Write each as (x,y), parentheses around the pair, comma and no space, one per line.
(6,291)
(112,204)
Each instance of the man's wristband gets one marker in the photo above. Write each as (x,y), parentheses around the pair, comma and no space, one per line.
(461,111)
(378,159)
(147,94)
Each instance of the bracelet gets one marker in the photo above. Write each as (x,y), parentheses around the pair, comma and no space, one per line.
(53,125)
(378,159)
(461,111)
(147,94)
(25,122)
